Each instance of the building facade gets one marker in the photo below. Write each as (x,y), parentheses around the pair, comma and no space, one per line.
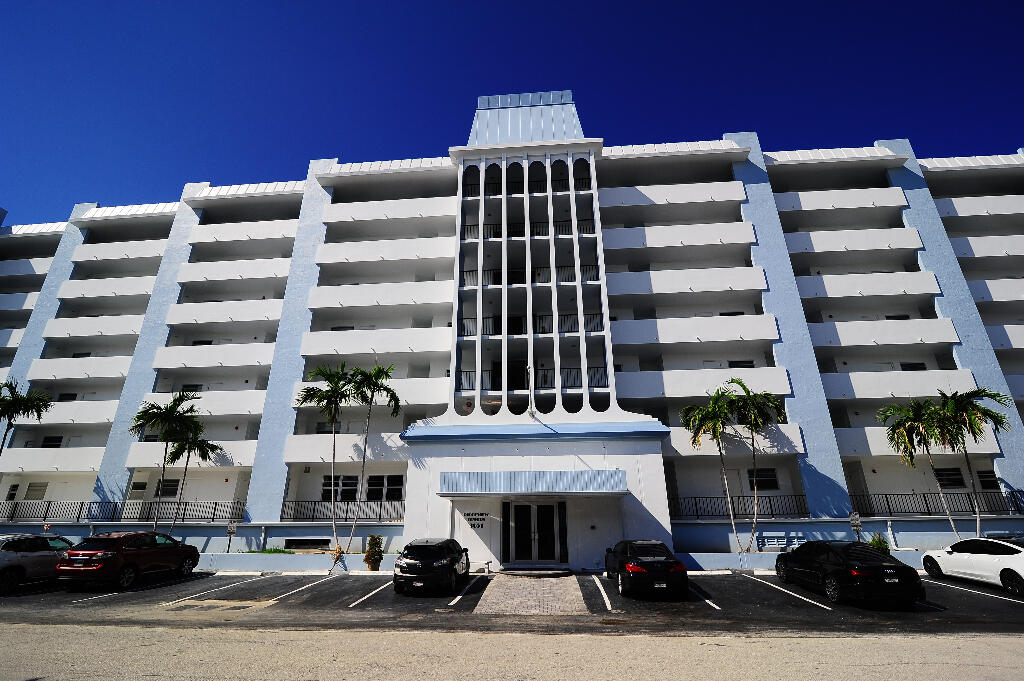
(549,305)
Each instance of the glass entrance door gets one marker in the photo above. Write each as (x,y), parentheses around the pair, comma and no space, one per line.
(535,533)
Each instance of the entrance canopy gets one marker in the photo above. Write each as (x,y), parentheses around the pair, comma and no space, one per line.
(533,483)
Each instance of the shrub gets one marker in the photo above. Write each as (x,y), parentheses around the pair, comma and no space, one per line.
(374,551)
(879,541)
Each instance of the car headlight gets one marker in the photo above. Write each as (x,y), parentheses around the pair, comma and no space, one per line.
(64,555)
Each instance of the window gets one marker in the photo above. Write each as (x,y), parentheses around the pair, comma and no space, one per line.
(12,492)
(36,491)
(732,313)
(765,477)
(36,545)
(191,387)
(323,428)
(58,543)
(52,441)
(167,488)
(975,546)
(347,487)
(987,480)
(913,366)
(386,487)
(80,355)
(949,478)
(895,317)
(202,342)
(137,491)
(67,397)
(741,364)
(164,540)
(151,437)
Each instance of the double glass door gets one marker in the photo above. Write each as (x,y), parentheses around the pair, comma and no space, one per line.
(534,533)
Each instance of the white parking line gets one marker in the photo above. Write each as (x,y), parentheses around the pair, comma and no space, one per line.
(604,595)
(220,588)
(302,588)
(786,591)
(382,586)
(706,600)
(980,593)
(92,598)
(464,590)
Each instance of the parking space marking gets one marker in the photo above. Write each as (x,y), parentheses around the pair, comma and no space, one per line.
(302,588)
(699,593)
(980,593)
(604,594)
(464,590)
(379,588)
(220,588)
(92,598)
(786,591)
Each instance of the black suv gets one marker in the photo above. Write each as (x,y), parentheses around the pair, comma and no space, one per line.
(431,563)
(645,564)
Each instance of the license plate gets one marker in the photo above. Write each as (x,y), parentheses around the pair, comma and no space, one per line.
(891,580)
(79,563)
(660,585)
(417,583)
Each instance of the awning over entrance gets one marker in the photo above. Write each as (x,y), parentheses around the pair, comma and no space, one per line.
(507,483)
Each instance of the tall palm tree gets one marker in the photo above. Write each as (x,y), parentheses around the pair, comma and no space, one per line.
(330,399)
(193,445)
(915,427)
(962,416)
(173,422)
(755,411)
(15,404)
(710,419)
(367,386)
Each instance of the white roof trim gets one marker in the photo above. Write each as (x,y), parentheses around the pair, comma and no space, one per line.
(829,155)
(366,167)
(258,189)
(667,148)
(38,228)
(973,162)
(148,209)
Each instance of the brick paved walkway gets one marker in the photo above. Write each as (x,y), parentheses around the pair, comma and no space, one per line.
(516,595)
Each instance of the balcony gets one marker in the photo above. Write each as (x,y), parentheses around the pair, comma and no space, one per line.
(227,311)
(377,341)
(120,250)
(988,246)
(980,206)
(886,384)
(114,287)
(695,330)
(18,301)
(317,448)
(679,236)
(412,391)
(883,332)
(847,240)
(25,267)
(782,438)
(221,402)
(996,290)
(150,454)
(79,412)
(110,326)
(1006,336)
(64,459)
(227,355)
(654,203)
(120,511)
(872,441)
(11,338)
(697,382)
(260,268)
(707,280)
(80,367)
(867,285)
(393,250)
(344,511)
(244,231)
(768,506)
(810,210)
(374,295)
(427,210)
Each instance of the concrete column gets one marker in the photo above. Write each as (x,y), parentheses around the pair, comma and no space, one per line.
(269,471)
(821,467)
(974,352)
(113,478)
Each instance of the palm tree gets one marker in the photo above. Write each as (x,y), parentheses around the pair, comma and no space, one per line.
(367,386)
(961,415)
(711,419)
(330,399)
(756,411)
(174,422)
(193,445)
(15,405)
(914,427)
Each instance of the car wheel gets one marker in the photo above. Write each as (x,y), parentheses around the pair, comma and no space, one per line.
(399,588)
(782,572)
(1013,583)
(931,566)
(453,581)
(833,592)
(127,577)
(9,580)
(621,584)
(187,566)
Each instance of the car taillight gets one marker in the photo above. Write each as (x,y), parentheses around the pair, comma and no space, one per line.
(862,572)
(678,568)
(633,567)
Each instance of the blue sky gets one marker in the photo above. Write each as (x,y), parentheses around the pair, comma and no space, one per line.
(125,102)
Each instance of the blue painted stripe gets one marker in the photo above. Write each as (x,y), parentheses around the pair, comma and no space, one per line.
(533,482)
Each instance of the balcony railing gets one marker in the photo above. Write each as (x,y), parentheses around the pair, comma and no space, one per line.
(572,377)
(120,511)
(539,228)
(538,186)
(492,230)
(544,379)
(492,188)
(563,227)
(569,323)
(585,225)
(467,326)
(560,185)
(582,184)
(370,511)
(515,187)
(471,189)
(775,506)
(516,229)
(466,380)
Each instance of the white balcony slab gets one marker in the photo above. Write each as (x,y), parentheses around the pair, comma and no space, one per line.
(674,236)
(872,441)
(18,301)
(317,448)
(80,411)
(227,355)
(397,209)
(872,284)
(697,382)
(226,311)
(694,330)
(259,268)
(831,199)
(411,391)
(883,332)
(1006,336)
(873,156)
(24,266)
(244,231)
(83,327)
(659,194)
(150,454)
(3,373)
(974,206)
(221,402)
(988,246)
(129,212)
(121,250)
(372,295)
(38,459)
(106,288)
(705,280)
(377,341)
(11,338)
(782,438)
(843,240)
(884,384)
(996,290)
(436,248)
(82,367)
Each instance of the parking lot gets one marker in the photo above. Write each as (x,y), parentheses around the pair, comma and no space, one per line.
(718,602)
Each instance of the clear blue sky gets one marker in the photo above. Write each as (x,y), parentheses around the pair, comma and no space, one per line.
(124,102)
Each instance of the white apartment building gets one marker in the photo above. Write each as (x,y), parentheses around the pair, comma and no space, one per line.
(549,304)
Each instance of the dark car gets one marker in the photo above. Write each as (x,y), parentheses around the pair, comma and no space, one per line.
(426,563)
(854,570)
(645,564)
(29,558)
(123,557)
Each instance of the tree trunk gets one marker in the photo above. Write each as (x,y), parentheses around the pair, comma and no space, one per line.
(753,484)
(160,486)
(3,441)
(334,484)
(181,492)
(362,471)
(974,493)
(728,497)
(942,496)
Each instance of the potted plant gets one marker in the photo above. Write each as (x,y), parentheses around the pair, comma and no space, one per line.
(374,551)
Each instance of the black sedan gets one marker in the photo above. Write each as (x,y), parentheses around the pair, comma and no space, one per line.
(645,564)
(426,563)
(850,570)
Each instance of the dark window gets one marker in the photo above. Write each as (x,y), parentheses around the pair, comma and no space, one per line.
(741,364)
(67,397)
(15,545)
(894,317)
(766,478)
(650,551)
(999,549)
(913,366)
(80,355)
(12,492)
(387,487)
(988,481)
(191,387)
(346,487)
(732,313)
(36,544)
(424,552)
(52,441)
(97,544)
(975,546)
(167,488)
(865,552)
(36,491)
(202,342)
(58,543)
(949,478)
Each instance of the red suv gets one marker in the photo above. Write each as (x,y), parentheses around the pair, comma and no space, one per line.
(122,557)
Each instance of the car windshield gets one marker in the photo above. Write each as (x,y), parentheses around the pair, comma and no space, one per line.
(869,553)
(422,552)
(96,544)
(650,551)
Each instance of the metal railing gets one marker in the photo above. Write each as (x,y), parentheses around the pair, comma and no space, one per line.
(565,273)
(465,380)
(538,186)
(468,278)
(582,184)
(585,225)
(768,506)
(492,230)
(120,511)
(470,231)
(563,227)
(572,377)
(597,377)
(516,229)
(929,503)
(544,379)
(560,185)
(371,511)
(515,187)
(467,326)
(542,275)
(589,272)
(490,380)
(569,323)
(471,189)
(492,188)
(539,228)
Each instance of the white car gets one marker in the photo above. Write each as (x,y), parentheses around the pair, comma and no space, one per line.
(997,561)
